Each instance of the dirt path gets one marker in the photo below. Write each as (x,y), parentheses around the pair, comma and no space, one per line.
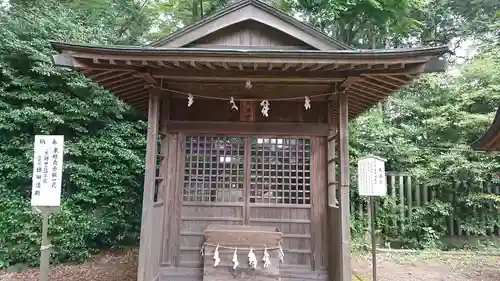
(391,267)
(428,267)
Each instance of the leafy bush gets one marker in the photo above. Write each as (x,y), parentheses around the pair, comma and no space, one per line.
(104,141)
(428,225)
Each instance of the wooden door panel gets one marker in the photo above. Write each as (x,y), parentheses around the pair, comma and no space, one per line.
(213,190)
(280,193)
(274,190)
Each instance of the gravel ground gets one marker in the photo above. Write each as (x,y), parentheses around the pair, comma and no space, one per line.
(120,266)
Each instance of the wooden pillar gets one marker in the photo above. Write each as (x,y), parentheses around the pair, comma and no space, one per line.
(145,259)
(343,139)
(332,155)
(334,242)
(164,143)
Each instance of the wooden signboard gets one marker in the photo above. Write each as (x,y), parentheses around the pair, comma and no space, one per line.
(46,190)
(247,111)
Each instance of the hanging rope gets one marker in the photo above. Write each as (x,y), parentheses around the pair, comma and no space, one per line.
(264,103)
(278,247)
(252,258)
(239,99)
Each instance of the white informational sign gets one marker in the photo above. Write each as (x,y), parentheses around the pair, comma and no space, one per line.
(371,176)
(47,171)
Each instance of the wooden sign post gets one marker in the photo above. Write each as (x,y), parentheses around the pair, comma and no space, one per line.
(371,183)
(46,190)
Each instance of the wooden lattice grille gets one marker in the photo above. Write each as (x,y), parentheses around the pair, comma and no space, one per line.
(248,181)
(214,169)
(280,171)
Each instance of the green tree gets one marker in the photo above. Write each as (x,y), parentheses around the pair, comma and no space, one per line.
(104,139)
(427,129)
(363,23)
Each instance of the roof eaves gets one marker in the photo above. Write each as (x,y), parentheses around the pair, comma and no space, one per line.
(423,51)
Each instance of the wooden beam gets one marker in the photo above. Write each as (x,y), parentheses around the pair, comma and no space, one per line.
(332,157)
(247,128)
(227,77)
(341,70)
(124,84)
(140,97)
(147,225)
(363,92)
(348,82)
(102,80)
(388,81)
(166,188)
(372,89)
(378,85)
(275,74)
(129,89)
(66,60)
(230,58)
(102,73)
(345,235)
(147,77)
(109,85)
(319,201)
(334,251)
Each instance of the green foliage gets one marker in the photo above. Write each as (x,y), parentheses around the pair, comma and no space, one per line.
(396,23)
(427,226)
(427,129)
(104,140)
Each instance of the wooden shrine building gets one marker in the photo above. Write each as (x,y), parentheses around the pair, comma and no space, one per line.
(247,126)
(490,141)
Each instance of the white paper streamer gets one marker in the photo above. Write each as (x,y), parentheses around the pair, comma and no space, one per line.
(235,259)
(233,104)
(281,254)
(307,103)
(265,107)
(266,259)
(216,256)
(252,259)
(190,100)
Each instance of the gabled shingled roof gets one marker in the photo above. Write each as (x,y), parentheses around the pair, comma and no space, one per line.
(258,11)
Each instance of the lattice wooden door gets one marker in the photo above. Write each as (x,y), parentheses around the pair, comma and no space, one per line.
(250,181)
(280,193)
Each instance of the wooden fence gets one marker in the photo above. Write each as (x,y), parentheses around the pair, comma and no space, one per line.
(410,194)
